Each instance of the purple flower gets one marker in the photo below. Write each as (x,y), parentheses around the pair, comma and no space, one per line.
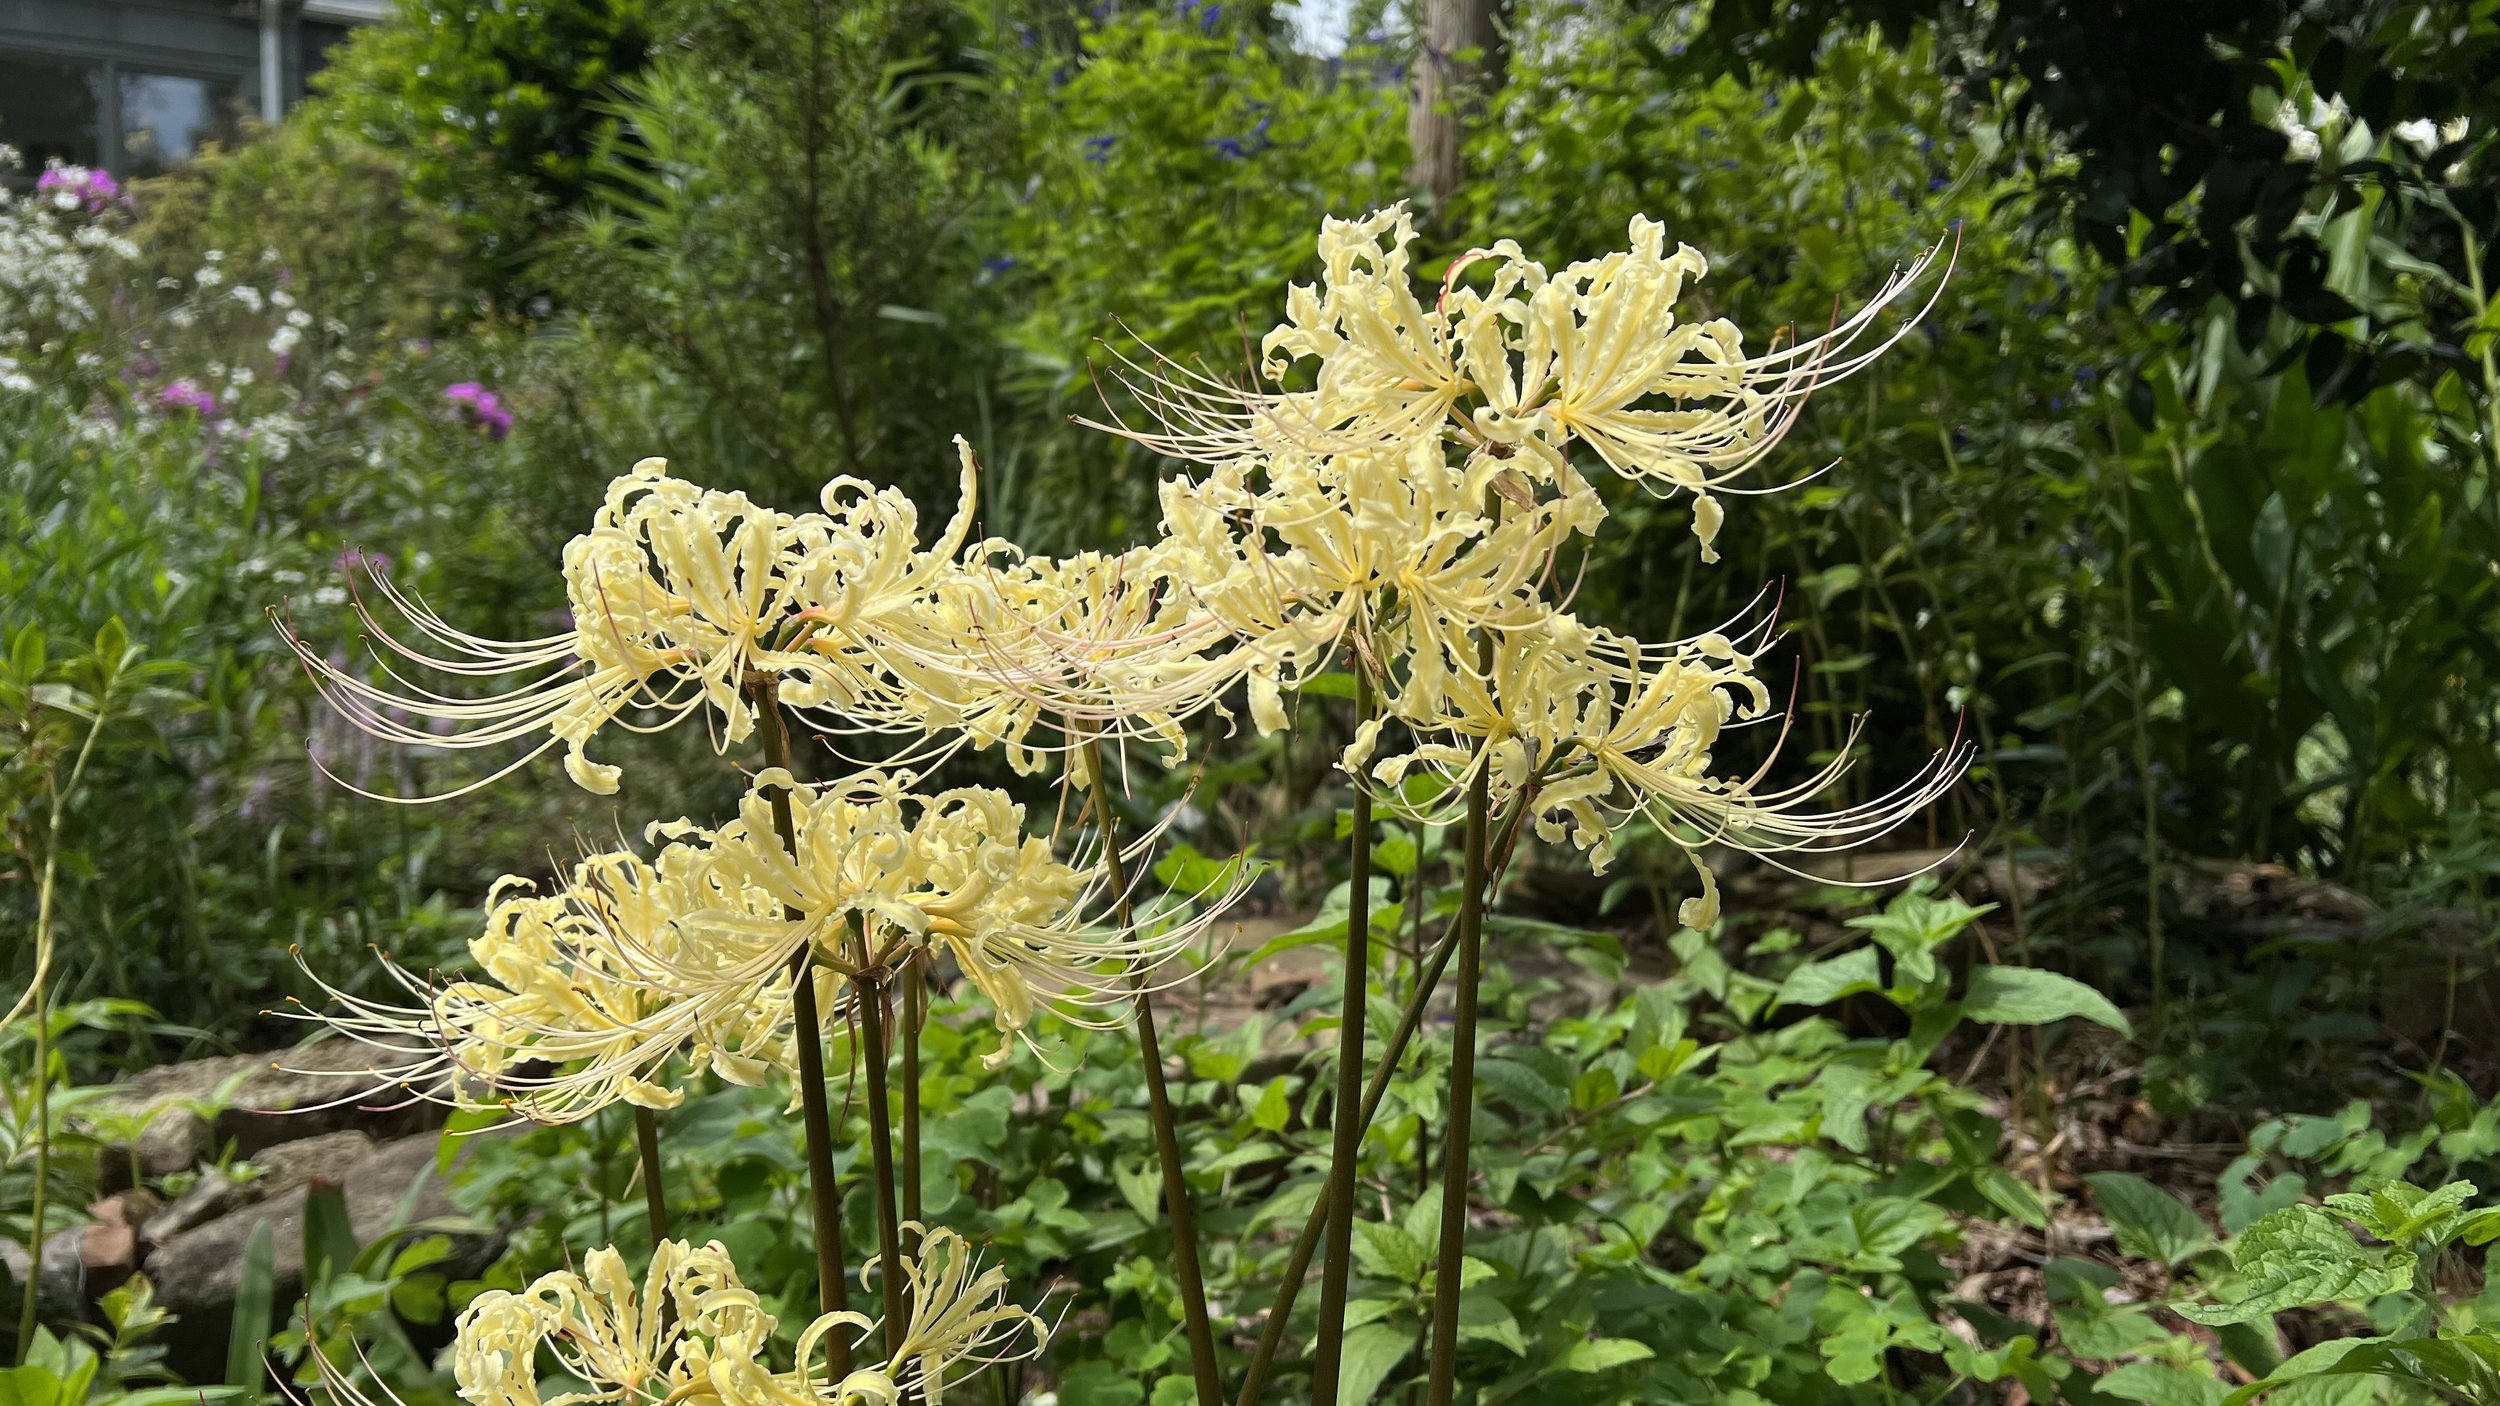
(95,189)
(1000,264)
(1098,149)
(480,407)
(182,395)
(1207,21)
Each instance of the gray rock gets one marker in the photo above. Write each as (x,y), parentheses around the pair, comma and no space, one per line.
(63,1295)
(211,1196)
(325,1156)
(253,1102)
(199,1272)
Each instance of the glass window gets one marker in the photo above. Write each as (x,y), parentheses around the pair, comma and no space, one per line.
(50,110)
(166,117)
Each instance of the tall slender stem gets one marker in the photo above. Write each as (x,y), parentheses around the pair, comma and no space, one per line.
(823,1192)
(873,1056)
(1305,1246)
(647,1148)
(1185,1265)
(1337,1270)
(38,999)
(915,1015)
(1456,1162)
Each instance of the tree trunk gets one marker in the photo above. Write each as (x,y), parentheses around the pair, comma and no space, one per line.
(1458,43)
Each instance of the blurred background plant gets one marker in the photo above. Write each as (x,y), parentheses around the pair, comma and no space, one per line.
(2184,503)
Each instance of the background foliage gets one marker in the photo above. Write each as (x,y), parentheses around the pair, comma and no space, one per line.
(2184,502)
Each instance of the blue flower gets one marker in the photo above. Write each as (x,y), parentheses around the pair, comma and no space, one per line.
(999,264)
(1229,149)
(1935,182)
(1098,149)
(1206,22)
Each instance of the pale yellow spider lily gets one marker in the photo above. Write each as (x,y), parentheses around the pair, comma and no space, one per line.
(1095,646)
(581,1002)
(1601,355)
(960,1322)
(884,876)
(680,597)
(623,1343)
(675,594)
(1604,728)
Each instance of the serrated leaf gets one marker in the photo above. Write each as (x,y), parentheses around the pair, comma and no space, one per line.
(1386,1252)
(2298,1256)
(1605,1354)
(2150,1222)
(2030,996)
(1524,1087)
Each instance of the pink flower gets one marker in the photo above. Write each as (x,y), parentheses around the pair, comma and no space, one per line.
(94,189)
(482,407)
(182,395)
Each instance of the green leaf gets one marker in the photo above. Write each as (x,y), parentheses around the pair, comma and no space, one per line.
(1525,1086)
(2151,1223)
(1372,1352)
(2009,1194)
(1141,1188)
(2398,1212)
(1387,1252)
(2030,996)
(1605,1354)
(1914,925)
(1484,1318)
(1821,983)
(247,1364)
(1274,1109)
(1098,1383)
(2157,1385)
(2298,1256)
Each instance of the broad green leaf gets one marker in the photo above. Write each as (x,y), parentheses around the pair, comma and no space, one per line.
(1140,1186)
(2030,996)
(2151,1223)
(1821,983)
(2398,1212)
(2157,1385)
(2298,1256)
(1098,1383)
(1605,1354)
(1372,1352)
(1484,1318)
(1386,1252)
(1914,925)
(1273,1109)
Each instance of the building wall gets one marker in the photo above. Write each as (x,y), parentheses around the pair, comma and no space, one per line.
(136,85)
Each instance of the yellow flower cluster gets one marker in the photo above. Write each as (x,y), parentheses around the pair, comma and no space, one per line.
(590,989)
(692,1333)
(1405,516)
(1411,507)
